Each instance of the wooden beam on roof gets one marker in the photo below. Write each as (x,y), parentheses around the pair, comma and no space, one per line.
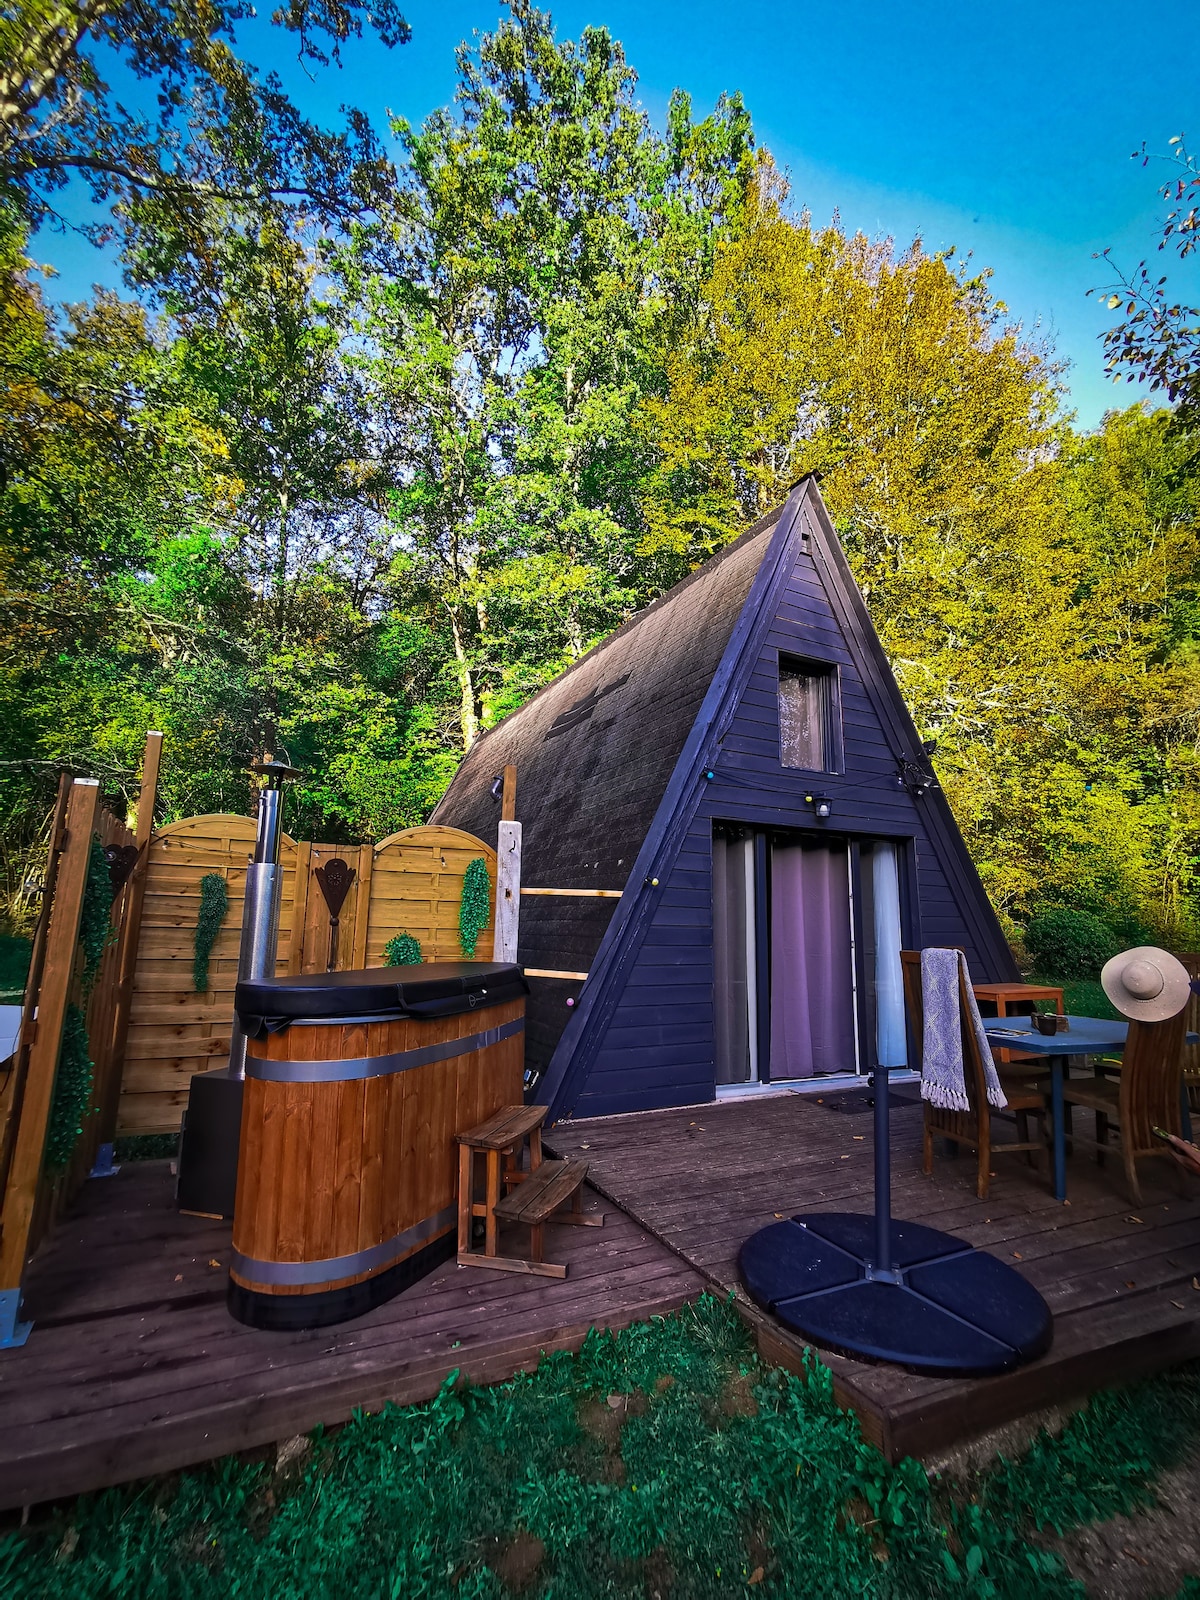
(591,894)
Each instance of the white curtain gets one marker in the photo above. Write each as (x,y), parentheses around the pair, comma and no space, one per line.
(803,718)
(890,1043)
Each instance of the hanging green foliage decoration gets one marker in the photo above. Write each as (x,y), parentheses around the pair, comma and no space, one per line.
(72,1091)
(402,951)
(214,903)
(96,931)
(476,905)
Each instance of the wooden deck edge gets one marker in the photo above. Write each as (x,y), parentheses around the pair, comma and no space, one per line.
(775,1346)
(779,1349)
(929,1431)
(930,1428)
(176,1442)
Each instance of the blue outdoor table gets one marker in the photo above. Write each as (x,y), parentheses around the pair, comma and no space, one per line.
(1086,1036)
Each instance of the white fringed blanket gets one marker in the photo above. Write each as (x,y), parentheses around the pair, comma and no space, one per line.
(942,1081)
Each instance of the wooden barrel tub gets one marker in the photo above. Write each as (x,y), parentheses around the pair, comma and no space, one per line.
(356,1084)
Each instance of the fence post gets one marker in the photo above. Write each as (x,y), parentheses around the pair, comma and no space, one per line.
(362,906)
(11,1112)
(131,928)
(508,891)
(58,975)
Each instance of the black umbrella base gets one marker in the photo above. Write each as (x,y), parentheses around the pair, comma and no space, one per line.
(945,1308)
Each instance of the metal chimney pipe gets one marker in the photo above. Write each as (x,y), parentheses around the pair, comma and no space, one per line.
(260,914)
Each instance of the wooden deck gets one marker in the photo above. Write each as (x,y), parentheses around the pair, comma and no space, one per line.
(1123,1282)
(135,1367)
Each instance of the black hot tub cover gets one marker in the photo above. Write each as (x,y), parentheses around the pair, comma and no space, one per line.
(433,989)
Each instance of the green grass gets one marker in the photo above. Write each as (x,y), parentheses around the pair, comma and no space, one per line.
(665,1458)
(14,964)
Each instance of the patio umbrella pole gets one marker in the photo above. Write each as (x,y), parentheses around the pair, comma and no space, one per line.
(880,1290)
(881,1268)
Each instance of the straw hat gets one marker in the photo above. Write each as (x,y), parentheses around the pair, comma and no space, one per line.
(1146,984)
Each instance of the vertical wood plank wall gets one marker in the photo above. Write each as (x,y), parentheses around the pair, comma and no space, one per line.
(657,1048)
(410,883)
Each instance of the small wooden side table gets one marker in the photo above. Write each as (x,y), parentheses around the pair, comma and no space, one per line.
(1020,997)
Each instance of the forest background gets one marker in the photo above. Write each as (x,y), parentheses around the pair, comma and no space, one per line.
(373,446)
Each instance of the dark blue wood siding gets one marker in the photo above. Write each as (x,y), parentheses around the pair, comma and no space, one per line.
(657,1045)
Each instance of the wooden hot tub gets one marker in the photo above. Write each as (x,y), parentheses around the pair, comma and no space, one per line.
(356,1084)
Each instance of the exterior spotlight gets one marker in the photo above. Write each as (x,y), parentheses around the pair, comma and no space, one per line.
(821,804)
(914,777)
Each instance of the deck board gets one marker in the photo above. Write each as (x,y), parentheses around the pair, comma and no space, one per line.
(135,1367)
(1119,1279)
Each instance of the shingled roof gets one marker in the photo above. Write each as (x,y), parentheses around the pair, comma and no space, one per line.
(594,750)
(663,728)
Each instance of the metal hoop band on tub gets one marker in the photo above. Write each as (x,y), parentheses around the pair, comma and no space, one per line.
(378,1066)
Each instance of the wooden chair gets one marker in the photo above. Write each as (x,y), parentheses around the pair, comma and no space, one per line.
(1144,1095)
(973,1127)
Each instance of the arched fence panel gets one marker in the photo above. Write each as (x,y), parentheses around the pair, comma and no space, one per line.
(409,883)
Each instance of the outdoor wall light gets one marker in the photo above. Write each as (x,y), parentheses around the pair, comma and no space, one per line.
(821,804)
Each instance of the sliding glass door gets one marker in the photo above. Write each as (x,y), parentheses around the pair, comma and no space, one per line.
(807,933)
(735,963)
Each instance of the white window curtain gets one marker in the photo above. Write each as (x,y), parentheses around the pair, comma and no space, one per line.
(804,719)
(890,1042)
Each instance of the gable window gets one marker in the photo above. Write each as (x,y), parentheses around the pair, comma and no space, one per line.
(809,715)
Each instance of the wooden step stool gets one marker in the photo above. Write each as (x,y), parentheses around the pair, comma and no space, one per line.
(530,1197)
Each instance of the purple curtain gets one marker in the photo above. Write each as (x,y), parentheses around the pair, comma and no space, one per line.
(812,995)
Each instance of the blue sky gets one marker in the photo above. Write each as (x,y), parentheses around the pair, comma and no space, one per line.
(1003,130)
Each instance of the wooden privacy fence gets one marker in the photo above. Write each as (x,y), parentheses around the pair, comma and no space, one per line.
(32,1191)
(409,883)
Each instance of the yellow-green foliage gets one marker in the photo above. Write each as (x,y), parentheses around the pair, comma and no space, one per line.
(1036,593)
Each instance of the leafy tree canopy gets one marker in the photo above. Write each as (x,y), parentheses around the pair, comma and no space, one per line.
(371,451)
(210,125)
(1158,339)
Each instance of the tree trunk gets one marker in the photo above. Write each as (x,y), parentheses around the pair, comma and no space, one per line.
(466,684)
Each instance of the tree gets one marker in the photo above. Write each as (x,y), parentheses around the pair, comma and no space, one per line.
(1025,585)
(210,126)
(1158,341)
(538,232)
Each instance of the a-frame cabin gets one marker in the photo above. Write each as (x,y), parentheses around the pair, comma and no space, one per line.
(739,761)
